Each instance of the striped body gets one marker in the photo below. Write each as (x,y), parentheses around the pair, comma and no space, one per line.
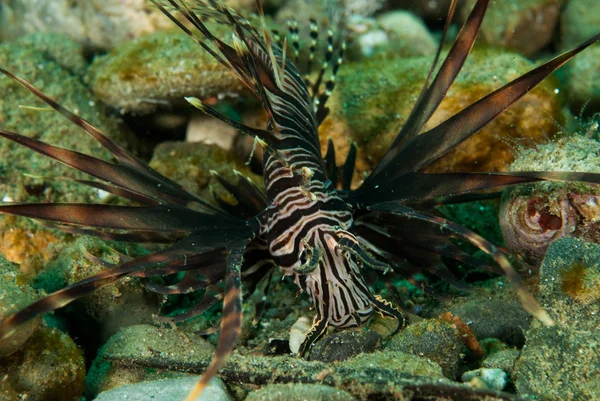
(305,218)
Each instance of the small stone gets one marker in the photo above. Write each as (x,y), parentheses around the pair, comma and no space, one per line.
(210,131)
(166,390)
(408,34)
(299,392)
(494,379)
(345,344)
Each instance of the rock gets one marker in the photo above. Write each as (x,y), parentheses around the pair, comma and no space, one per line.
(130,356)
(15,294)
(561,362)
(433,339)
(579,21)
(166,390)
(582,75)
(493,379)
(493,313)
(433,10)
(408,36)
(522,25)
(41,66)
(97,23)
(51,63)
(48,367)
(299,392)
(372,100)
(345,344)
(106,310)
(139,353)
(503,360)
(210,131)
(190,165)
(533,216)
(160,69)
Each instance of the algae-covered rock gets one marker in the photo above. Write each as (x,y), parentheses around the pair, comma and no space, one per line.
(143,352)
(15,294)
(343,345)
(561,362)
(166,390)
(51,66)
(190,164)
(299,392)
(374,99)
(49,367)
(523,25)
(434,339)
(159,69)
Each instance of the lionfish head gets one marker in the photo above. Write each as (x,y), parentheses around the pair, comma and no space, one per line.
(330,269)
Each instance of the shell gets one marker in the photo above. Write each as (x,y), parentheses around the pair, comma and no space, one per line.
(533,217)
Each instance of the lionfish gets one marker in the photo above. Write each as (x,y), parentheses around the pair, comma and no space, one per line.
(308,222)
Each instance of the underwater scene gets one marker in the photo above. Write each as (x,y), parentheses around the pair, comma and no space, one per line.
(273,200)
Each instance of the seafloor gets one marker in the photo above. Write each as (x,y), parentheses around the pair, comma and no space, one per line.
(125,68)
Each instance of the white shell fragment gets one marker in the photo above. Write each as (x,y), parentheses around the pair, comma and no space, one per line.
(298,333)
